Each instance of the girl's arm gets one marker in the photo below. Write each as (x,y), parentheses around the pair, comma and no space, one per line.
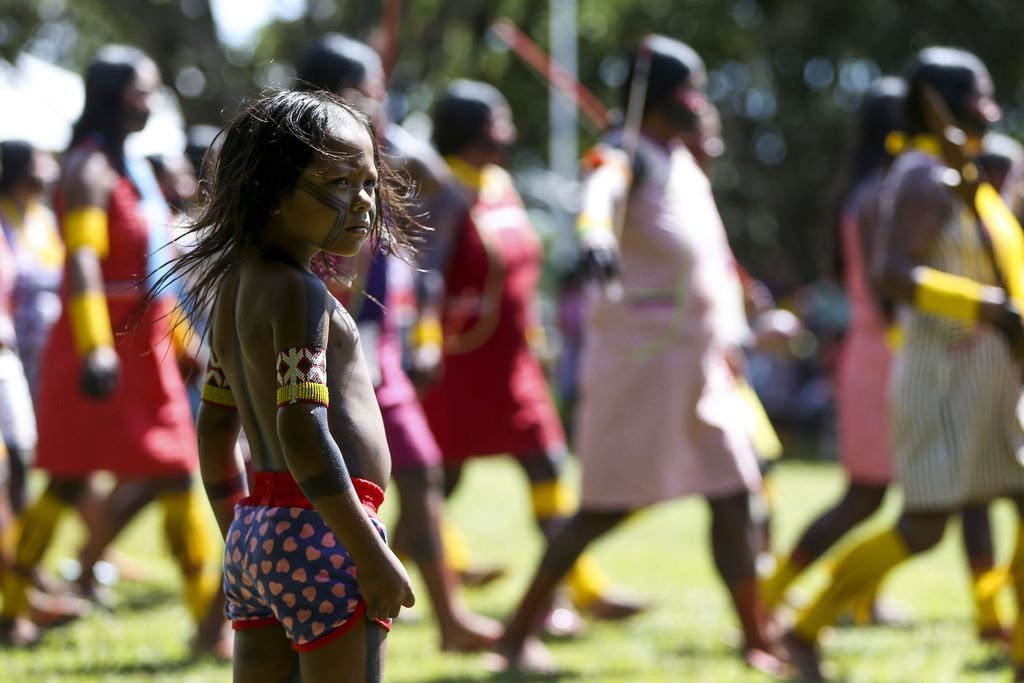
(300,322)
(220,460)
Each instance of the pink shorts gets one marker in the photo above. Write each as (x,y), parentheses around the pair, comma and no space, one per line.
(284,567)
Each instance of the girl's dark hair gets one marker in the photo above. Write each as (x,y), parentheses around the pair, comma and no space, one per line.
(461,115)
(16,161)
(673,63)
(263,152)
(951,71)
(334,62)
(106,77)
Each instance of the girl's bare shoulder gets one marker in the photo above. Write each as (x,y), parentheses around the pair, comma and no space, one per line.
(273,287)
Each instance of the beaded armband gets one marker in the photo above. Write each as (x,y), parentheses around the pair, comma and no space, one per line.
(216,389)
(302,376)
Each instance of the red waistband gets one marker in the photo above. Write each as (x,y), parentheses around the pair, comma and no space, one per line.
(279,489)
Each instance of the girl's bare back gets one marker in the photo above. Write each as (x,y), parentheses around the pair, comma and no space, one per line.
(261,289)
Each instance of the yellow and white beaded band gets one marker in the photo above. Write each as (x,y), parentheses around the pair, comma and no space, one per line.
(216,389)
(302,376)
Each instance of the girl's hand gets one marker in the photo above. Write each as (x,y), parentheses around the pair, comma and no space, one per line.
(385,586)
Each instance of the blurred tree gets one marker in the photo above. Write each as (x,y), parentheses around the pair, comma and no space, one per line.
(786,75)
(180,35)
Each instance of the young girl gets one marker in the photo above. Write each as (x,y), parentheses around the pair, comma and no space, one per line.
(306,564)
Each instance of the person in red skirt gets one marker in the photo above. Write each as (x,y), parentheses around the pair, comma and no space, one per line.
(489,395)
(111,395)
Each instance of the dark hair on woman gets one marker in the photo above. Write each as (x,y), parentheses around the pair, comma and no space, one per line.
(999,154)
(263,152)
(880,113)
(952,72)
(334,62)
(461,115)
(106,77)
(672,64)
(16,160)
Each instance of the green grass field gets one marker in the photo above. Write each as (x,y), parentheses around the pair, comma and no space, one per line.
(661,554)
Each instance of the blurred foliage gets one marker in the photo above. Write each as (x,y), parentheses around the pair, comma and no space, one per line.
(786,74)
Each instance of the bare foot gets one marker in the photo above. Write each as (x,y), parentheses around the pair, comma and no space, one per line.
(101,596)
(470,633)
(476,577)
(19,632)
(803,655)
(761,660)
(50,610)
(127,567)
(531,659)
(217,642)
(214,635)
(46,582)
(615,608)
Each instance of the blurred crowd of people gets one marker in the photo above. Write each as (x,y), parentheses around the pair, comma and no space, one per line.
(672,361)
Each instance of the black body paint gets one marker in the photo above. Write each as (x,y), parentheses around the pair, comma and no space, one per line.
(329,199)
(226,488)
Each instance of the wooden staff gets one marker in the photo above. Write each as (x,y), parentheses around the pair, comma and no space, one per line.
(552,72)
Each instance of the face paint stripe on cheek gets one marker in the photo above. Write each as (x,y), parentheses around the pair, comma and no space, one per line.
(324,196)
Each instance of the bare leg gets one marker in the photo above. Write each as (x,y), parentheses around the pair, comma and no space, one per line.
(452,477)
(112,514)
(563,550)
(732,545)
(18,460)
(39,522)
(356,657)
(467,575)
(922,531)
(586,584)
(858,503)
(863,566)
(263,655)
(976,532)
(214,635)
(420,491)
